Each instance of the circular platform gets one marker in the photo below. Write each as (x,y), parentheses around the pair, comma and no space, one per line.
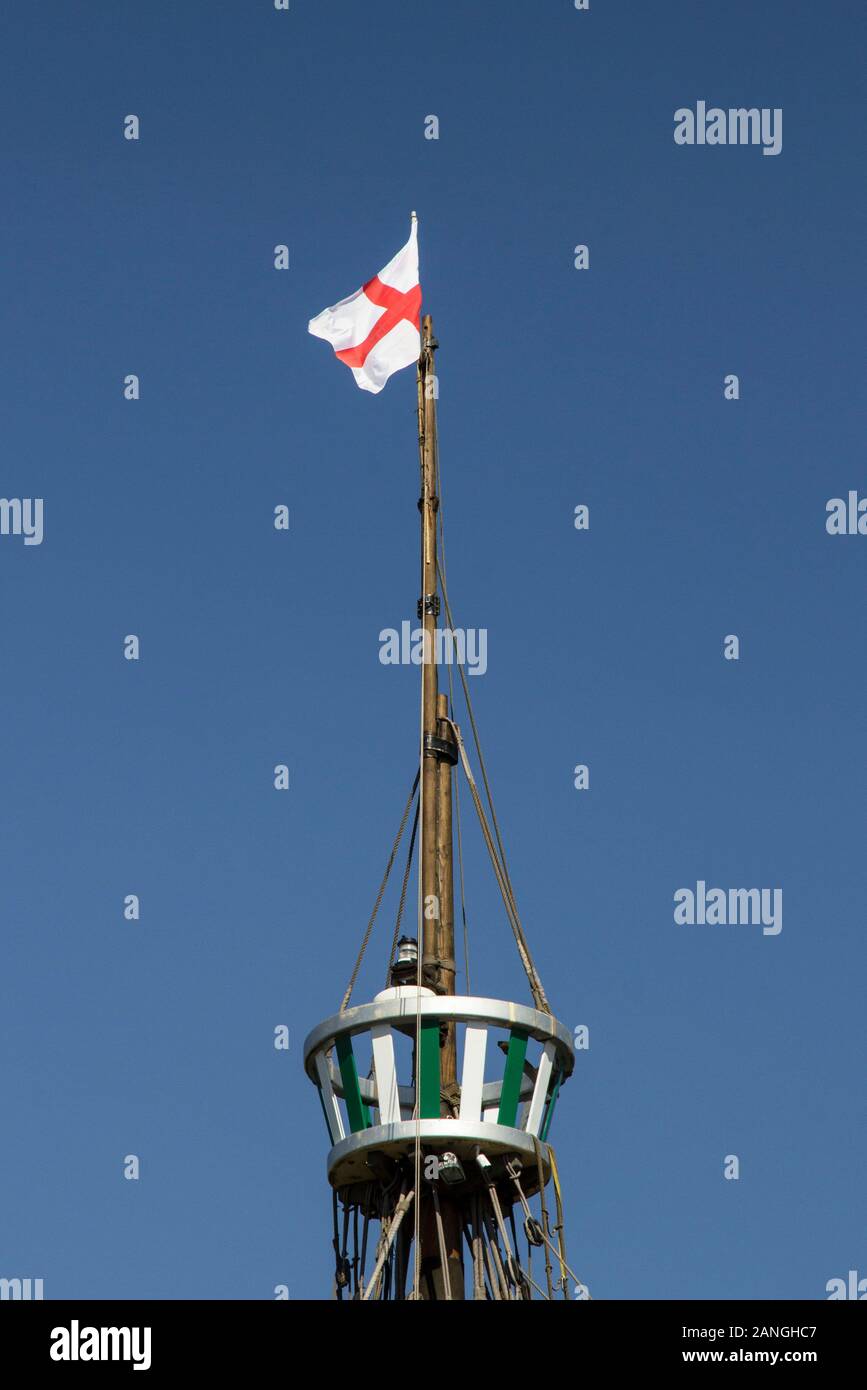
(349,1160)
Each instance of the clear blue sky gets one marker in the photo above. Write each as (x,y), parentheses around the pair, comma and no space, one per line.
(558,387)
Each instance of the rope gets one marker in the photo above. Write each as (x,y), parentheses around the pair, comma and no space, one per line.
(536,1287)
(536,987)
(441,1239)
(497,859)
(546,1225)
(478,1256)
(339,1267)
(350,987)
(494,1248)
(441,570)
(511,1264)
(386,1242)
(561,1238)
(366,1228)
(425,360)
(477,741)
(496,1292)
(402,902)
(461,868)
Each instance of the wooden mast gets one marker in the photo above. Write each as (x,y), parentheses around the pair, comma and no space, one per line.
(438,936)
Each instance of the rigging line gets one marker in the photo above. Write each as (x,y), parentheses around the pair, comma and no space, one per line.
(561,1230)
(441,569)
(493,1273)
(518,1269)
(338,1287)
(569,1271)
(367,1204)
(402,902)
(461,867)
(536,1287)
(416,1271)
(345,1261)
(397,839)
(383,1215)
(491,1229)
(560,1254)
(355,1250)
(387,1239)
(476,739)
(510,1262)
(441,1240)
(546,1225)
(536,987)
(400,1271)
(474,1241)
(500,866)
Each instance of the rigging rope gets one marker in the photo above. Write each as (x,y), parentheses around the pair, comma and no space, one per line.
(397,839)
(461,868)
(476,739)
(402,902)
(425,361)
(498,860)
(441,571)
(536,987)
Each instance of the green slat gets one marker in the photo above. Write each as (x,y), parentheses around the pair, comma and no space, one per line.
(551,1103)
(510,1094)
(429,1090)
(359,1115)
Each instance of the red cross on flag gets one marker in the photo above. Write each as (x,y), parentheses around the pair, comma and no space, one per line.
(376,331)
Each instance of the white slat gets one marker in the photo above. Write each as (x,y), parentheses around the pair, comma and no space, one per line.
(333,1117)
(386,1075)
(540,1090)
(473,1075)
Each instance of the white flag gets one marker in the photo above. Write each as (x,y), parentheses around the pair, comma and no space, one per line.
(377,330)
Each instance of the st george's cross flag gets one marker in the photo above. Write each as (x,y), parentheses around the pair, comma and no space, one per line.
(377,330)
